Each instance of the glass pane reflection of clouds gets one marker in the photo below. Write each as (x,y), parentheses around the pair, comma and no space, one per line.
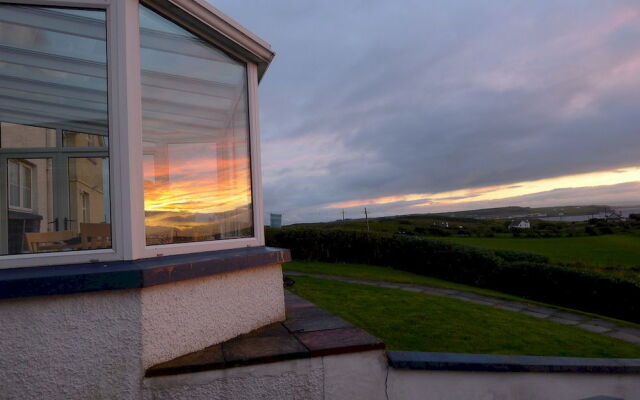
(53,97)
(197,178)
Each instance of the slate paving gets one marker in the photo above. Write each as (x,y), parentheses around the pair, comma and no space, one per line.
(582,321)
(308,331)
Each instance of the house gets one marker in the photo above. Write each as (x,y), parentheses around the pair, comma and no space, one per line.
(132,256)
(521,224)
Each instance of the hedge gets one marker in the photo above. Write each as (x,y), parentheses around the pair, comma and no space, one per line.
(521,274)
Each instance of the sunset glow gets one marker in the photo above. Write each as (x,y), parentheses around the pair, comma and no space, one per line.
(195,195)
(499,192)
(204,186)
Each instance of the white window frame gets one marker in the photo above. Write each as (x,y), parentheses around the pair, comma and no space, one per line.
(125,126)
(21,178)
(85,205)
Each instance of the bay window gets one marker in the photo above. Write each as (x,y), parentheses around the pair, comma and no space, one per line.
(127,130)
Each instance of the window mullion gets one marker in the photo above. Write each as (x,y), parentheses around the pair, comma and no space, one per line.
(125,125)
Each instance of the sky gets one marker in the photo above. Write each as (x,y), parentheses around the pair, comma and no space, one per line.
(413,106)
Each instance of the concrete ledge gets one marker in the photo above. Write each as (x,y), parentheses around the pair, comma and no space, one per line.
(506,363)
(91,277)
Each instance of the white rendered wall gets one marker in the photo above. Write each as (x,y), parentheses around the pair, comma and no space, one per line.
(354,376)
(186,316)
(366,376)
(449,385)
(96,345)
(296,379)
(79,346)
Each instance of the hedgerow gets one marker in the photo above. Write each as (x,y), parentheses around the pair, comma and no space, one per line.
(522,274)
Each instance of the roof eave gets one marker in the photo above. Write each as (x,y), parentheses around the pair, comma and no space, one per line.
(210,23)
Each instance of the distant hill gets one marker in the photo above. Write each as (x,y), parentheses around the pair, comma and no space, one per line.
(527,212)
(491,222)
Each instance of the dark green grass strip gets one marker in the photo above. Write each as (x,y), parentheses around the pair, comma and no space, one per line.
(418,322)
(387,274)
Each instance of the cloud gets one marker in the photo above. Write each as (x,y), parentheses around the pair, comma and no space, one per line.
(368,99)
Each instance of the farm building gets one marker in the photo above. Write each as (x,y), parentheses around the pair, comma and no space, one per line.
(521,224)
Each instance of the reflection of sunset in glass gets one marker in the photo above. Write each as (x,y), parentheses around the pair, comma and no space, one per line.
(197,177)
(203,185)
(210,193)
(195,197)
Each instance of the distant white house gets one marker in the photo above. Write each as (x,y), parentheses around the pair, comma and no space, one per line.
(522,224)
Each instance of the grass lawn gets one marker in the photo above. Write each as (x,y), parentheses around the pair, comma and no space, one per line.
(419,322)
(598,251)
(386,274)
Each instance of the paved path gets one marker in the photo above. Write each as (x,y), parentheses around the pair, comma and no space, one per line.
(582,321)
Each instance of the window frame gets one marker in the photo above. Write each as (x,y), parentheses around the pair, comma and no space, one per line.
(21,166)
(113,11)
(254,153)
(125,124)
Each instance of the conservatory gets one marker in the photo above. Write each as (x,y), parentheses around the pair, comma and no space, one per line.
(126,131)
(131,218)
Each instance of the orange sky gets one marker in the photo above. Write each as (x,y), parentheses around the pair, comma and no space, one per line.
(205,186)
(194,184)
(499,192)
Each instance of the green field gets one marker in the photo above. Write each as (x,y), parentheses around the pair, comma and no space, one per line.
(387,274)
(419,322)
(598,251)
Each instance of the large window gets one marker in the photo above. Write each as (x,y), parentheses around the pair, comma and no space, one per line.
(54,158)
(138,143)
(197,177)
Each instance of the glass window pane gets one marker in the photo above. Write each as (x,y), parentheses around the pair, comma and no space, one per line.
(24,136)
(26,186)
(14,184)
(76,139)
(53,68)
(53,86)
(28,216)
(197,178)
(89,201)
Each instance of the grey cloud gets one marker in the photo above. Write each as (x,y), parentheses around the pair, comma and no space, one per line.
(417,96)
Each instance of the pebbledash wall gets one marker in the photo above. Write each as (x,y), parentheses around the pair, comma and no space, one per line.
(372,376)
(96,345)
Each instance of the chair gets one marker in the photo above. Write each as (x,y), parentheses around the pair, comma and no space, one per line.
(95,236)
(48,241)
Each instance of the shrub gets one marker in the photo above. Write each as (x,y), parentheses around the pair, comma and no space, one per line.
(522,274)
(515,256)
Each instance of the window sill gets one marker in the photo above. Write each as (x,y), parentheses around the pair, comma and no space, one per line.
(115,275)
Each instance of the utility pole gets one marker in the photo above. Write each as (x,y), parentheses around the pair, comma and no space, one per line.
(366,217)
(343,215)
